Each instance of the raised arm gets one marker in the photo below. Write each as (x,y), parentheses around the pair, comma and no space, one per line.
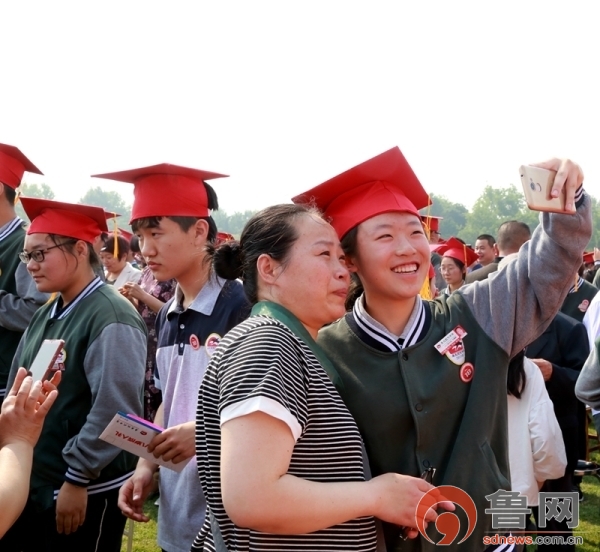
(516,304)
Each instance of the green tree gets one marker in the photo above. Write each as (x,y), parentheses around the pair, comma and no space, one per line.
(595,240)
(495,206)
(36,190)
(109,201)
(42,191)
(454,215)
(234,224)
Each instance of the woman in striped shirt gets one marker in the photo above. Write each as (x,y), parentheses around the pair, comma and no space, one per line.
(279,455)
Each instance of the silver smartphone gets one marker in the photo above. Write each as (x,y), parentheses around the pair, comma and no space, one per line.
(46,357)
(537,185)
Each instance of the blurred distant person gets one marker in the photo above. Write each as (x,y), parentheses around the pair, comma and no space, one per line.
(512,234)
(135,254)
(432,228)
(456,257)
(149,296)
(535,445)
(485,248)
(432,231)
(118,270)
(19,298)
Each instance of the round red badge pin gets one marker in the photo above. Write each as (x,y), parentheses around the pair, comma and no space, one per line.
(212,342)
(467,371)
(194,342)
(583,306)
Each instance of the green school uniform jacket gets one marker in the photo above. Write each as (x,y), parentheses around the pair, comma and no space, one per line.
(19,298)
(577,302)
(10,247)
(412,407)
(103,372)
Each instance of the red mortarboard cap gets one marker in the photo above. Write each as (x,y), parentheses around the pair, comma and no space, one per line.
(588,258)
(432,222)
(166,190)
(13,164)
(382,184)
(458,250)
(224,237)
(125,234)
(108,215)
(82,222)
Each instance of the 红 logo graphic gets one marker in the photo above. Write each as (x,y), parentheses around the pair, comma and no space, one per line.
(447,523)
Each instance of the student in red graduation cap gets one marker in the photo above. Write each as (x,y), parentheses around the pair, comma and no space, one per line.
(118,270)
(76,476)
(426,380)
(171,217)
(19,298)
(456,257)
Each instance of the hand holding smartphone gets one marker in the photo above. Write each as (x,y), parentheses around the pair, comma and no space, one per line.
(46,357)
(537,187)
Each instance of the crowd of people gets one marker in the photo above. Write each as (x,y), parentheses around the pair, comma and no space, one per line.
(337,367)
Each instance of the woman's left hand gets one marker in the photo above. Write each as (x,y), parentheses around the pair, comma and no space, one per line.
(71,506)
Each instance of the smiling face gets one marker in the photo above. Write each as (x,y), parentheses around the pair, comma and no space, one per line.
(485,252)
(312,282)
(392,257)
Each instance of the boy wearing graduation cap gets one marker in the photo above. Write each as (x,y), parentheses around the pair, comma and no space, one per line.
(19,298)
(426,380)
(171,217)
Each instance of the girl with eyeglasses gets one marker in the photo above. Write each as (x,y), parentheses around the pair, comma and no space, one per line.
(75,478)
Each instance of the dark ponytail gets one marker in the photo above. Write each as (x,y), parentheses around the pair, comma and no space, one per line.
(356,289)
(271,232)
(516,379)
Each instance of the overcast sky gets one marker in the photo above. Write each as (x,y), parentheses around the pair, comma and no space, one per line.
(282,95)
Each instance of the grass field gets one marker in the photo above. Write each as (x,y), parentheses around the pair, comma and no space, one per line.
(144,535)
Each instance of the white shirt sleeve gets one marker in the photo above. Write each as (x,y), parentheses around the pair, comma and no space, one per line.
(591,321)
(262,404)
(547,446)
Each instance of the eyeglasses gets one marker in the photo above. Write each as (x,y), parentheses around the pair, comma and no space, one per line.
(40,254)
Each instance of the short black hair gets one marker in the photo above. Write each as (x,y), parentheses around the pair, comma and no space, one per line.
(10,194)
(512,234)
(185,223)
(271,232)
(109,246)
(488,238)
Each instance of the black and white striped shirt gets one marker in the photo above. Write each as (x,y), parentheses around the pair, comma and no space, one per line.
(263,359)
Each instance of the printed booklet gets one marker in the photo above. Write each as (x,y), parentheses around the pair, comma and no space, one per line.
(132,433)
